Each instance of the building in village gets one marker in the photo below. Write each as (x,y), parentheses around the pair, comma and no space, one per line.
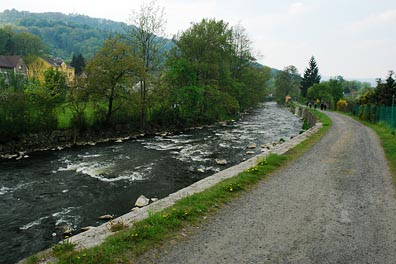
(38,67)
(13,64)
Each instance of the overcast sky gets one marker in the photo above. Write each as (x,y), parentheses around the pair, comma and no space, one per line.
(352,38)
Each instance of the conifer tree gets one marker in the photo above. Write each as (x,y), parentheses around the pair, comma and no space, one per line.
(311,76)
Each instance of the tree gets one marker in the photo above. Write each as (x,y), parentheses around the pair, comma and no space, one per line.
(311,76)
(386,90)
(148,25)
(78,62)
(319,91)
(112,74)
(55,84)
(336,90)
(77,100)
(287,82)
(242,47)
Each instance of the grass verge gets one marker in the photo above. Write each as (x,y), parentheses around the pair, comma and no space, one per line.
(147,234)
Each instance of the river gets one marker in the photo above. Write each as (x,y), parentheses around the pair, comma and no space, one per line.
(73,187)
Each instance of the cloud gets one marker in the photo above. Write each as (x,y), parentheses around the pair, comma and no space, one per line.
(297,8)
(385,20)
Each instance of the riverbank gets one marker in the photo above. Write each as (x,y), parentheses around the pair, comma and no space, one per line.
(22,145)
(98,235)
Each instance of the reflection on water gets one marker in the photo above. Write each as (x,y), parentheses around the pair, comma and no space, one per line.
(49,191)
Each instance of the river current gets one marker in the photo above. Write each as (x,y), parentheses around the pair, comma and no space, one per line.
(48,191)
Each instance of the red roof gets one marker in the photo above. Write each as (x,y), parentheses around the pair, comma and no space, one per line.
(9,61)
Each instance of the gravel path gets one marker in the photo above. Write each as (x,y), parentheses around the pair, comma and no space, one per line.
(335,204)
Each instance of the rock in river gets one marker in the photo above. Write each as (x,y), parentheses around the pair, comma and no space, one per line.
(106,217)
(221,162)
(142,201)
(252,146)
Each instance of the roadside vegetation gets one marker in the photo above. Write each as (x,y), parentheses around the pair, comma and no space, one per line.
(128,243)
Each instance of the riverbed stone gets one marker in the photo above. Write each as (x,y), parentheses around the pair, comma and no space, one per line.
(106,217)
(221,162)
(252,146)
(250,152)
(142,201)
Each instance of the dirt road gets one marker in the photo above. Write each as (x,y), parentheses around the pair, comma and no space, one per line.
(335,204)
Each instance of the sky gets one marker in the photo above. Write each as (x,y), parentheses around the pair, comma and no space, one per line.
(351,38)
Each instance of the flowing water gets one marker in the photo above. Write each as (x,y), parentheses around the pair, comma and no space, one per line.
(42,194)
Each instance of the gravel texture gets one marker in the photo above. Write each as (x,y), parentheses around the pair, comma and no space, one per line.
(335,204)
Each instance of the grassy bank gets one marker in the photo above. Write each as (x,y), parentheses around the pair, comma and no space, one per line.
(128,243)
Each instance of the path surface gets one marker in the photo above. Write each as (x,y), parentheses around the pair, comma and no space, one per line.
(335,204)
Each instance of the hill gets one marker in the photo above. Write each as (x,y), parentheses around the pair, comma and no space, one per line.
(64,35)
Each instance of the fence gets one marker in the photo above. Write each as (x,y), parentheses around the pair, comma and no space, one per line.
(376,114)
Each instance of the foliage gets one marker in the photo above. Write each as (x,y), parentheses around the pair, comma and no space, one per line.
(149,48)
(311,77)
(287,82)
(64,35)
(20,43)
(112,75)
(55,84)
(329,92)
(64,247)
(342,105)
(78,62)
(386,91)
(210,69)
(77,101)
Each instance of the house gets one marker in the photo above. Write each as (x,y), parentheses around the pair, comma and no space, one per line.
(40,65)
(13,64)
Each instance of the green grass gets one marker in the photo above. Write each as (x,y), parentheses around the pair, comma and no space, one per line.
(65,114)
(158,228)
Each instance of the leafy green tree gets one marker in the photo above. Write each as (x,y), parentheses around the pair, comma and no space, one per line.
(78,99)
(287,82)
(207,47)
(148,25)
(112,74)
(311,76)
(28,44)
(55,84)
(319,91)
(336,91)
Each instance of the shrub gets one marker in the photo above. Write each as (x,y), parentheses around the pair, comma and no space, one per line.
(342,105)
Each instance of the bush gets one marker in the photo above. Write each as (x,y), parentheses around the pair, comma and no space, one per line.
(342,105)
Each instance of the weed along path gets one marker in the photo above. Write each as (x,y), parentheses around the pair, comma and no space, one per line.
(334,204)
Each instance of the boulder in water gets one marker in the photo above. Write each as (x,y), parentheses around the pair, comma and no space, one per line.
(142,201)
